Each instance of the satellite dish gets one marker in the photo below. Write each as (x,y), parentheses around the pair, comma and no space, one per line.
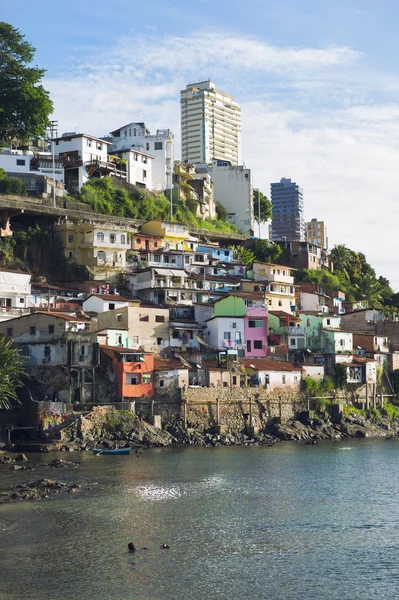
(198,366)
(252,366)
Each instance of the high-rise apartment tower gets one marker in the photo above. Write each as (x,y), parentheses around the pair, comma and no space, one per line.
(210,124)
(287,204)
(317,233)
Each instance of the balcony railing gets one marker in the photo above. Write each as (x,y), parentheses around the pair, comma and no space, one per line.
(298,331)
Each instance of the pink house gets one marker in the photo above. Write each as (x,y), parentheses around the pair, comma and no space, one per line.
(256,331)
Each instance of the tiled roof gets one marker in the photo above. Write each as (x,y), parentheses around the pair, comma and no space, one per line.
(263,364)
(110,297)
(167,364)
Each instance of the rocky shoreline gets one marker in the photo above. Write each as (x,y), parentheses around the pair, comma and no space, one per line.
(138,434)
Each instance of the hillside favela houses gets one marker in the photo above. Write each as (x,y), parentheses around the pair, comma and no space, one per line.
(163,313)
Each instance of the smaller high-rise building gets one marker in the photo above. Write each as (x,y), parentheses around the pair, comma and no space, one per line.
(317,233)
(287,203)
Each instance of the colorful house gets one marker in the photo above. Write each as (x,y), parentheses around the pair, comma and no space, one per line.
(173,234)
(132,371)
(256,331)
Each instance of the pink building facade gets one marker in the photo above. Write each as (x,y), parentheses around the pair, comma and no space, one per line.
(256,330)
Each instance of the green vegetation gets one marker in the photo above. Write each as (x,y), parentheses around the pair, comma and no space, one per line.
(11,185)
(104,196)
(341,375)
(352,411)
(316,387)
(243,255)
(266,251)
(391,411)
(25,104)
(39,251)
(12,373)
(265,206)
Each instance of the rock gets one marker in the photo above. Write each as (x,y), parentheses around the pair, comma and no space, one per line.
(74,488)
(21,457)
(18,468)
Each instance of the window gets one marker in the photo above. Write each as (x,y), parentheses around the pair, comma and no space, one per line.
(100,237)
(119,339)
(134,380)
(161,381)
(255,323)
(280,303)
(123,239)
(135,339)
(51,328)
(9,331)
(119,317)
(159,341)
(21,300)
(112,238)
(328,321)
(234,380)
(32,330)
(159,319)
(70,254)
(292,342)
(115,258)
(20,162)
(307,322)
(283,379)
(138,240)
(155,244)
(144,318)
(158,146)
(227,335)
(249,347)
(257,344)
(147,146)
(134,131)
(342,342)
(88,143)
(146,378)
(70,237)
(144,174)
(101,256)
(233,325)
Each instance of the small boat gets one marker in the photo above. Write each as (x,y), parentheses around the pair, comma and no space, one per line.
(111,450)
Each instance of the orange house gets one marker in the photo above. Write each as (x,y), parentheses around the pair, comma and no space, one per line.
(132,371)
(146,242)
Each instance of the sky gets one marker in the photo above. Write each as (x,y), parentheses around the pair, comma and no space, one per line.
(317,82)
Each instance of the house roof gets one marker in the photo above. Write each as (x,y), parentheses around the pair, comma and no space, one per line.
(110,297)
(263,364)
(66,138)
(167,364)
(118,350)
(64,316)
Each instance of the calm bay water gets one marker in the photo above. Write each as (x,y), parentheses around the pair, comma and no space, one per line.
(291,522)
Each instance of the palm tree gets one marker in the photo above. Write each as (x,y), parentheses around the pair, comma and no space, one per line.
(12,372)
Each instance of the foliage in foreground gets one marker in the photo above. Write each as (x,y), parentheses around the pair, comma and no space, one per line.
(12,373)
(25,104)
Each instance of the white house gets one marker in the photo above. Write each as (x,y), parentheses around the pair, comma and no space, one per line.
(99,303)
(225,333)
(138,166)
(273,374)
(159,145)
(112,336)
(85,156)
(17,162)
(15,289)
(232,186)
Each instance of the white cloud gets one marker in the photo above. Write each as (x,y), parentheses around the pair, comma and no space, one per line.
(312,114)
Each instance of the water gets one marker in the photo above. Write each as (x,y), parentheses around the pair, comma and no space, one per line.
(291,522)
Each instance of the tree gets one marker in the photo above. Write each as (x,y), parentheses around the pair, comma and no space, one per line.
(12,372)
(243,255)
(265,207)
(221,212)
(266,251)
(25,105)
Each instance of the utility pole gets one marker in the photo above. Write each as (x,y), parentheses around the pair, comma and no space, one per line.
(259,210)
(53,131)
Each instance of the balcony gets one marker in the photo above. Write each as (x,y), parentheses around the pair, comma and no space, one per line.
(294,331)
(230,344)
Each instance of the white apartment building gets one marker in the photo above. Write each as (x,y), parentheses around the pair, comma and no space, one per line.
(15,289)
(85,156)
(138,167)
(232,186)
(26,162)
(159,145)
(210,124)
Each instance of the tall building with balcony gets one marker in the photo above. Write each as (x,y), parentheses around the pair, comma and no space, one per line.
(287,202)
(317,233)
(210,124)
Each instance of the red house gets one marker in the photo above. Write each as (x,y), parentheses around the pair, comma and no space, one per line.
(132,371)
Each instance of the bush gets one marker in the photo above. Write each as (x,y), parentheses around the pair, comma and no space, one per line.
(12,185)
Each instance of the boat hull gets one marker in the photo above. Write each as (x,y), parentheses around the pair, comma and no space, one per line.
(111,451)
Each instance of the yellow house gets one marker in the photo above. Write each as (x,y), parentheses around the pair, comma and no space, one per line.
(275,282)
(102,249)
(173,234)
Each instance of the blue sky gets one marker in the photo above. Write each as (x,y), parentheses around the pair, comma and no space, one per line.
(317,81)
